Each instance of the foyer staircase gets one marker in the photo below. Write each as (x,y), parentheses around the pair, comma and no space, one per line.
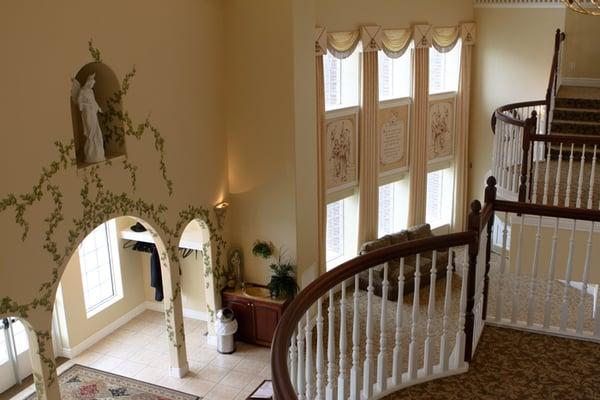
(577,111)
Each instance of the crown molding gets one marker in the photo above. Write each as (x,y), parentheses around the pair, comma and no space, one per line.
(518,4)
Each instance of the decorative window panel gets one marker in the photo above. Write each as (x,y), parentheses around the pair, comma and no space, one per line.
(341,150)
(393,137)
(440,137)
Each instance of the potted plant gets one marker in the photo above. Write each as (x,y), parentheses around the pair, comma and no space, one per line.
(262,249)
(283,281)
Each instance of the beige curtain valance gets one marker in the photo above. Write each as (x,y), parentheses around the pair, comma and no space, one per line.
(342,44)
(320,41)
(468,33)
(445,38)
(396,41)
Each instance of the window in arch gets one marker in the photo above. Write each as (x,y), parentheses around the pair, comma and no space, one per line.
(444,70)
(341,231)
(439,197)
(100,268)
(393,207)
(342,81)
(394,76)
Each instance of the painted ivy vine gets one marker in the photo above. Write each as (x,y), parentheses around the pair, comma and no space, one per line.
(99,203)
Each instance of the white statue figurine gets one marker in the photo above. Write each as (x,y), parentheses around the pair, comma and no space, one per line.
(93,149)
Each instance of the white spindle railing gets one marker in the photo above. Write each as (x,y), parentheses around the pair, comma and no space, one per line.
(411,341)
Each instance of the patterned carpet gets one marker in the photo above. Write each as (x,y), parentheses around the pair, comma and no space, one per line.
(511,364)
(79,382)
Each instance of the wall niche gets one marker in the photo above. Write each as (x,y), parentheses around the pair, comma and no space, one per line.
(112,128)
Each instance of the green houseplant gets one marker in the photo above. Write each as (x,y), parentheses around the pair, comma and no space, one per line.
(262,249)
(283,281)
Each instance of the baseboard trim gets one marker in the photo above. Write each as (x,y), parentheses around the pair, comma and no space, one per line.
(71,352)
(187,312)
(587,82)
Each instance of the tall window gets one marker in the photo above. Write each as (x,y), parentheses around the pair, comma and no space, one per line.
(439,197)
(393,210)
(342,81)
(444,70)
(100,269)
(341,231)
(394,76)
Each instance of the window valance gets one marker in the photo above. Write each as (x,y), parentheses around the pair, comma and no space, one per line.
(393,42)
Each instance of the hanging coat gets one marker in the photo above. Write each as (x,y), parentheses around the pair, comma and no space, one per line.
(156,275)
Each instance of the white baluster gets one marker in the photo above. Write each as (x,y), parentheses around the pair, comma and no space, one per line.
(586,275)
(558,173)
(592,180)
(505,147)
(564,315)
(517,280)
(368,366)
(355,370)
(569,178)
(551,273)
(501,278)
(547,173)
(444,345)
(341,386)
(597,318)
(382,356)
(301,384)
(330,388)
(397,362)
(413,357)
(460,334)
(309,357)
(294,362)
(580,180)
(428,351)
(320,390)
(515,158)
(534,274)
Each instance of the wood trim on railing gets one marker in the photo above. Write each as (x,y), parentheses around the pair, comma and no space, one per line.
(581,214)
(514,121)
(282,385)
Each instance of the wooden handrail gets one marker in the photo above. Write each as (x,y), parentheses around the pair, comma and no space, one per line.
(553,80)
(498,114)
(581,214)
(282,385)
(570,139)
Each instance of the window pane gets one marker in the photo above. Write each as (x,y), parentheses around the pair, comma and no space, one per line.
(342,81)
(444,70)
(394,76)
(439,197)
(335,230)
(392,208)
(96,268)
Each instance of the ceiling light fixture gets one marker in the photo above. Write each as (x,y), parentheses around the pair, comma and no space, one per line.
(587,7)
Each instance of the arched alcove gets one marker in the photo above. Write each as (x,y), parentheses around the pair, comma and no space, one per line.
(15,352)
(105,89)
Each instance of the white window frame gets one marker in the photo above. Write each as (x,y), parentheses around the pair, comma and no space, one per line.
(343,105)
(115,270)
(409,52)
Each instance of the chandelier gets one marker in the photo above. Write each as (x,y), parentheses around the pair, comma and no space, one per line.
(591,7)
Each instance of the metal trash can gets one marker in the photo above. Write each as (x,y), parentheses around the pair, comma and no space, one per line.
(226,326)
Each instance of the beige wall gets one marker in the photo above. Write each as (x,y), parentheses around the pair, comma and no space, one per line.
(511,63)
(178,50)
(260,128)
(343,15)
(581,57)
(78,326)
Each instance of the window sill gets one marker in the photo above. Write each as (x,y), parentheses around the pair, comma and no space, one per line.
(338,261)
(103,306)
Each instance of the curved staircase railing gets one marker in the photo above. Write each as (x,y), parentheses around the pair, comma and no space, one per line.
(342,337)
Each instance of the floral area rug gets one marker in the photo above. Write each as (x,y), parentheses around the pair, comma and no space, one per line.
(79,382)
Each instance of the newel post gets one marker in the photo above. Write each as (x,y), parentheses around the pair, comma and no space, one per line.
(475,226)
(528,131)
(490,198)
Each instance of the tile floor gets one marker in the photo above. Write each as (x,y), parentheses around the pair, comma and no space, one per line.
(139,350)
